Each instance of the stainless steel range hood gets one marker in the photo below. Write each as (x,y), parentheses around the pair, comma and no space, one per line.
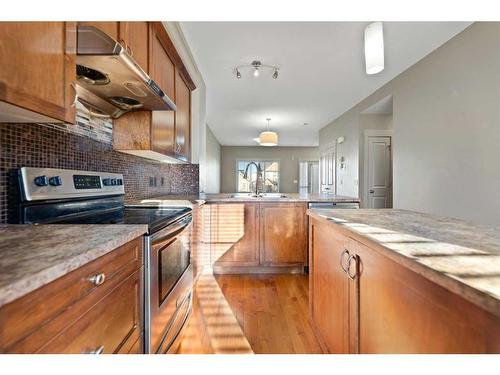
(109,81)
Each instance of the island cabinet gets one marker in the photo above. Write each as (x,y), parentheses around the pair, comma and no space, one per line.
(94,309)
(37,71)
(362,301)
(283,234)
(258,237)
(158,135)
(234,234)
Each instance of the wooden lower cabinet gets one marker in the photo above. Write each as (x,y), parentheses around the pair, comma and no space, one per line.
(258,237)
(403,312)
(234,234)
(283,234)
(329,289)
(386,307)
(74,314)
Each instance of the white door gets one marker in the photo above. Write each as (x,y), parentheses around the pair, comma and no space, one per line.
(379,172)
(308,177)
(327,162)
(314,177)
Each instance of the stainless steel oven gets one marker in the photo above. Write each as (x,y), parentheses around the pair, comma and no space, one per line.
(168,285)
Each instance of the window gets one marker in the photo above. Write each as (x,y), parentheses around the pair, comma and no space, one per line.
(268,181)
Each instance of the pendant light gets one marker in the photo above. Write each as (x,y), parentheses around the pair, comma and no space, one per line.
(268,138)
(374,48)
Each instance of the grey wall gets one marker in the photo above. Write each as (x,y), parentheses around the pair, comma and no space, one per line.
(446,119)
(289,158)
(212,163)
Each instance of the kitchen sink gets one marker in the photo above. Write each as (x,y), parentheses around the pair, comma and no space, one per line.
(273,195)
(243,195)
(262,195)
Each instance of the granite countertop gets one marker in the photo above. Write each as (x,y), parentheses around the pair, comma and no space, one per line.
(291,197)
(32,256)
(461,256)
(194,200)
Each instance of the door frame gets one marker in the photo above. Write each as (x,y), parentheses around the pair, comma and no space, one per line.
(375,133)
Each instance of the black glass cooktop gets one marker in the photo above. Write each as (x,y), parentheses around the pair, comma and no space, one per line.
(155,218)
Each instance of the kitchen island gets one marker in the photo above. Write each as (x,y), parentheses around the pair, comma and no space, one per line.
(399,281)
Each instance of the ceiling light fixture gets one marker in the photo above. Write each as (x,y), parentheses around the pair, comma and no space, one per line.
(374,48)
(268,138)
(256,66)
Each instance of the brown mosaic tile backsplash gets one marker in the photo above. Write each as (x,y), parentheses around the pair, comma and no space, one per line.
(35,145)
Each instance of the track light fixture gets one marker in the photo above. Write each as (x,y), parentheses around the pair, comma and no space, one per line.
(256,66)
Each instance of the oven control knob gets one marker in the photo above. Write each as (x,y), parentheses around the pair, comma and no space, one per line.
(106,181)
(55,181)
(41,181)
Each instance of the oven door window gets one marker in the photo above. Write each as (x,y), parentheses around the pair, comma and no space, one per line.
(173,260)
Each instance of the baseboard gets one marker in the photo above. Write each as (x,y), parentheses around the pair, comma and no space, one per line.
(226,270)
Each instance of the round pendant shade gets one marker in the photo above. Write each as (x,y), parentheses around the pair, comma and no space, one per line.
(268,139)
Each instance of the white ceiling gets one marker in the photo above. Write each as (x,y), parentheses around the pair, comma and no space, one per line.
(322,72)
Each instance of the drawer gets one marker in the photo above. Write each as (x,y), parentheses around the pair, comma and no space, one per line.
(59,303)
(106,327)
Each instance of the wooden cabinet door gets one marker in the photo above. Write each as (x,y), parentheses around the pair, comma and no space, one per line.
(403,312)
(107,27)
(161,67)
(329,289)
(37,67)
(234,234)
(135,35)
(283,234)
(182,118)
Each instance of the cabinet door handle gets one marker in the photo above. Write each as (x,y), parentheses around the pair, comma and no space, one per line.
(345,252)
(97,279)
(98,350)
(349,262)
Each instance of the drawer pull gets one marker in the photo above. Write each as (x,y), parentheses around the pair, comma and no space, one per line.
(342,256)
(98,350)
(355,258)
(97,279)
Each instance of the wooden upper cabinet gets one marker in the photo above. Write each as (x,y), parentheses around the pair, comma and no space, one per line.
(182,118)
(37,70)
(109,27)
(283,231)
(134,35)
(159,135)
(234,234)
(329,288)
(161,68)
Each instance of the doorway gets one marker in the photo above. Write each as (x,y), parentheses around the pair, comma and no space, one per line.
(309,177)
(378,170)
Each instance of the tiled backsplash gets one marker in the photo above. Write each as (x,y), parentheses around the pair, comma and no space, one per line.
(78,147)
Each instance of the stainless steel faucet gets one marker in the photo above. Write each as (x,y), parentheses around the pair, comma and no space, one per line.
(259,172)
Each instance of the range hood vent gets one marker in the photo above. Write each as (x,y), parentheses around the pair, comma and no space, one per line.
(110,81)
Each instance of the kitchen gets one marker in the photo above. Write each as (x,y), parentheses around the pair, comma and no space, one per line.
(296,188)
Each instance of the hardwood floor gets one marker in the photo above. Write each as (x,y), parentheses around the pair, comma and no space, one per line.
(272,311)
(212,328)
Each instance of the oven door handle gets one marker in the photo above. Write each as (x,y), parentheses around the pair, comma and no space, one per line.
(174,229)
